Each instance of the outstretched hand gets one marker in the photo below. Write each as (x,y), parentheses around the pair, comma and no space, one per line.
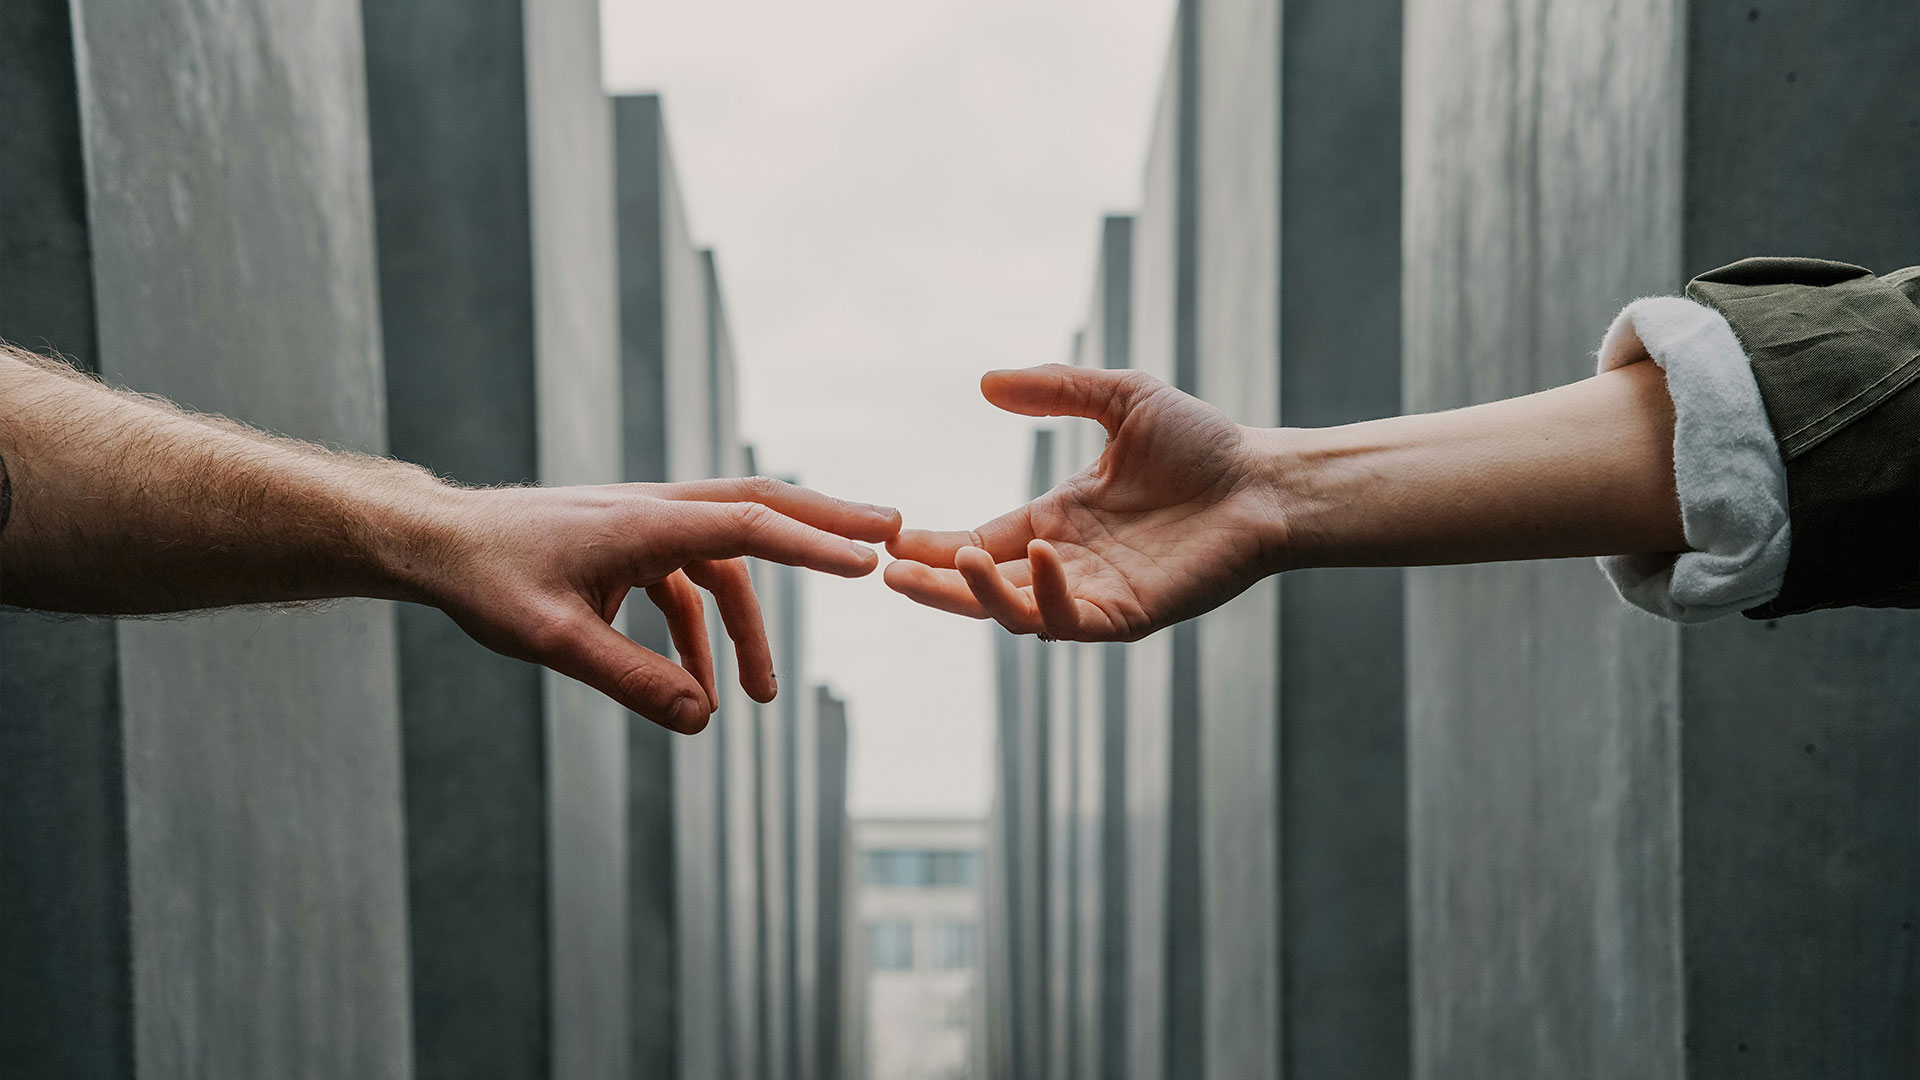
(540,573)
(1173,520)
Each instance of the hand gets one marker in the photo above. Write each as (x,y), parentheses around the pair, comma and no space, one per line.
(1174,520)
(540,573)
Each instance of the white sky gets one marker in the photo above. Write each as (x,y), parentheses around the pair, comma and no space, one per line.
(903,194)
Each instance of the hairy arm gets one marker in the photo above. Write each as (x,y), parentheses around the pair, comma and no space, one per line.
(1185,508)
(125,504)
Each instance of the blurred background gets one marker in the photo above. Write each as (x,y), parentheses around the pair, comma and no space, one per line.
(1453,822)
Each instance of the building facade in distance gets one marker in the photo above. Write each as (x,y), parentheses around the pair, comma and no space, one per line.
(917,945)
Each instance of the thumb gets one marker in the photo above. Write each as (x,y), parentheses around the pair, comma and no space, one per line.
(1102,394)
(640,679)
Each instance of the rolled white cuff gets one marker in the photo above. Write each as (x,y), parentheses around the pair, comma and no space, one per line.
(1727,467)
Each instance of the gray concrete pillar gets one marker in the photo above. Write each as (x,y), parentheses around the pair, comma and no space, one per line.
(1100,748)
(184,799)
(1062,734)
(1163,778)
(492,174)
(1000,868)
(838,1031)
(668,380)
(1342,911)
(811,1000)
(1635,850)
(778,590)
(578,383)
(66,992)
(1033,988)
(1236,245)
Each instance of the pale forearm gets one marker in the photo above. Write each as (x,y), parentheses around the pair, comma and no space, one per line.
(124,504)
(1580,470)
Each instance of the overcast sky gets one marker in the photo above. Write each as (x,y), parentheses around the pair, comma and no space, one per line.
(903,194)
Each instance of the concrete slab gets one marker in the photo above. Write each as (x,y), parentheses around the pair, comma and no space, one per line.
(1100,747)
(1594,796)
(66,992)
(1237,272)
(229,206)
(450,178)
(1165,1037)
(676,784)
(1342,912)
(838,1020)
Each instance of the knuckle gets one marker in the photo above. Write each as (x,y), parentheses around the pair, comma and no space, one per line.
(550,633)
(755,519)
(762,487)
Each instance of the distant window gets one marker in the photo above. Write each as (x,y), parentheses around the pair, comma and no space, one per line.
(906,868)
(953,944)
(890,945)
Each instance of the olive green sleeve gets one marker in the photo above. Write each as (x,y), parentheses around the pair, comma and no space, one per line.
(1836,353)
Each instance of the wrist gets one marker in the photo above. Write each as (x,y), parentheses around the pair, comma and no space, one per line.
(413,530)
(1295,474)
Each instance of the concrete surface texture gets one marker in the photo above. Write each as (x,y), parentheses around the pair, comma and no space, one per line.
(1342,906)
(450,165)
(578,382)
(265,844)
(266,876)
(1236,243)
(842,1009)
(675,783)
(1162,760)
(1610,817)
(1101,743)
(1063,796)
(66,993)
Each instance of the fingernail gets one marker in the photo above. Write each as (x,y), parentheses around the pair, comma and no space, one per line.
(688,715)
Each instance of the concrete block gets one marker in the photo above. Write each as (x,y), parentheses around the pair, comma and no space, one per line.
(1035,844)
(579,388)
(493,175)
(677,787)
(1343,817)
(1000,868)
(1162,790)
(840,1010)
(228,206)
(1607,813)
(454,221)
(1100,916)
(1062,735)
(811,1000)
(66,992)
(1236,245)
(778,588)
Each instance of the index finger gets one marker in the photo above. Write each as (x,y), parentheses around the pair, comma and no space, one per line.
(1005,538)
(718,531)
(853,520)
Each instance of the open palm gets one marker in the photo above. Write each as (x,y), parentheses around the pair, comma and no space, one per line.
(1171,521)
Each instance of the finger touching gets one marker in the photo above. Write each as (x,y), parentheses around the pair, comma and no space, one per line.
(1004,538)
(732,589)
(854,520)
(714,531)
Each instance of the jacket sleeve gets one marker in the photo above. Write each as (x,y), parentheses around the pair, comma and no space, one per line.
(1835,351)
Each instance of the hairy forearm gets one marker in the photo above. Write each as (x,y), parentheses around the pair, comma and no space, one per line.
(1584,469)
(125,504)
